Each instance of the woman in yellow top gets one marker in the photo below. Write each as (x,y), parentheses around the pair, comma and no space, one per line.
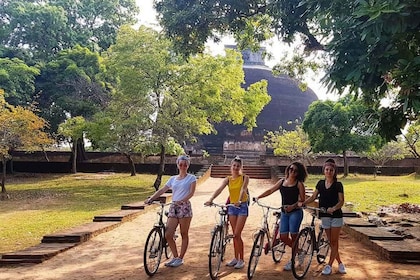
(238,189)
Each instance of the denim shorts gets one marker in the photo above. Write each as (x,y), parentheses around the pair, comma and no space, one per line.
(328,222)
(180,210)
(290,222)
(242,210)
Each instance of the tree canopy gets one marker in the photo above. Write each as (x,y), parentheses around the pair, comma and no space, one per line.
(336,127)
(372,47)
(44,28)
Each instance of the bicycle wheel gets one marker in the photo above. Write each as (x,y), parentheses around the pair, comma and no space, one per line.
(153,251)
(255,254)
(216,252)
(278,251)
(323,246)
(303,250)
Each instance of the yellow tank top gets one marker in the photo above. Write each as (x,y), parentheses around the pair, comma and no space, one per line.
(235,186)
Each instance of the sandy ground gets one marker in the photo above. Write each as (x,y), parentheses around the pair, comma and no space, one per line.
(118,254)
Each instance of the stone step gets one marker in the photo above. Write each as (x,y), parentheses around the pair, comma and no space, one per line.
(119,216)
(357,222)
(80,233)
(35,254)
(136,205)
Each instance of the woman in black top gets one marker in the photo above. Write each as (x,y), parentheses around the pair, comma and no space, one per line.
(331,197)
(292,191)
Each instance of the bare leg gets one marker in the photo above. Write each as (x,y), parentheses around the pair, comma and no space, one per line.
(169,235)
(184,226)
(333,236)
(237,237)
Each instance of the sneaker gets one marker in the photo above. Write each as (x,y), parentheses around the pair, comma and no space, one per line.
(342,268)
(233,262)
(288,266)
(239,264)
(177,262)
(327,270)
(170,262)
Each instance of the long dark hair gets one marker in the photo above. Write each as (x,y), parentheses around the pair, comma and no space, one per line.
(302,172)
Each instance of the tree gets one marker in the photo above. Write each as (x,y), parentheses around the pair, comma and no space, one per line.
(73,130)
(44,28)
(292,144)
(334,127)
(188,97)
(75,83)
(392,150)
(18,81)
(123,127)
(20,128)
(412,139)
(372,47)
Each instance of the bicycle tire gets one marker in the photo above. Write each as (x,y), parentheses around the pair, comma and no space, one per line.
(255,254)
(303,250)
(216,252)
(278,251)
(153,250)
(323,247)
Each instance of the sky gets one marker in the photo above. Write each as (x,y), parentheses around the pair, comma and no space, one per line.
(147,17)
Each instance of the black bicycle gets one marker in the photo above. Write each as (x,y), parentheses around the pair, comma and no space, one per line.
(273,245)
(156,243)
(306,243)
(220,237)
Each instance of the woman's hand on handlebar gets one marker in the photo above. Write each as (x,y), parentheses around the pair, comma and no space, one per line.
(208,203)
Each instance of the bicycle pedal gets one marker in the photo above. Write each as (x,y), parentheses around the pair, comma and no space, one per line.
(229,236)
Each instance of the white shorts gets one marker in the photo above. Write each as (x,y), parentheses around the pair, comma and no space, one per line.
(328,222)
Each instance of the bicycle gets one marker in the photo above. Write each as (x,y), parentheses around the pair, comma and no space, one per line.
(156,243)
(220,237)
(277,249)
(306,243)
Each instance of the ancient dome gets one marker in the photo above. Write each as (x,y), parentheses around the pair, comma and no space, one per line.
(288,103)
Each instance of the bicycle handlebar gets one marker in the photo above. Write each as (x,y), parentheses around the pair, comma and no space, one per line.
(222,205)
(321,209)
(255,200)
(160,203)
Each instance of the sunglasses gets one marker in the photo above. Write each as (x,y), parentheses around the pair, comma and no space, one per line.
(295,170)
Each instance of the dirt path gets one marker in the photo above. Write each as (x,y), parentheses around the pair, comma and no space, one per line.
(118,254)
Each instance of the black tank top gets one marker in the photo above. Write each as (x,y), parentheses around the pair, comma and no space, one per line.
(289,195)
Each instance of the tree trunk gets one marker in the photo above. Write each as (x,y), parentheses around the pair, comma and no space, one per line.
(3,180)
(161,168)
(74,158)
(81,151)
(131,163)
(346,164)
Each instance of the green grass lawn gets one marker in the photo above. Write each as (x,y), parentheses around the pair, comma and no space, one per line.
(368,194)
(42,204)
